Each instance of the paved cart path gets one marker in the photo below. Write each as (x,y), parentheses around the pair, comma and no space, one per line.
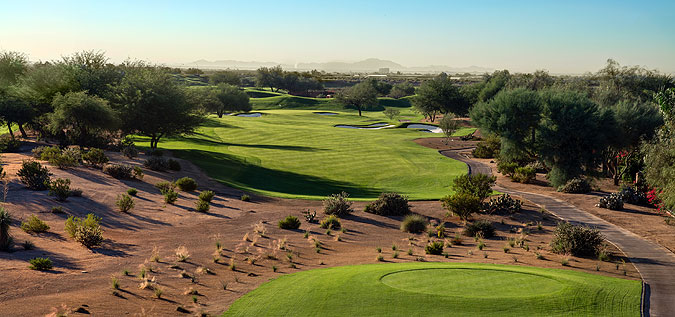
(655,263)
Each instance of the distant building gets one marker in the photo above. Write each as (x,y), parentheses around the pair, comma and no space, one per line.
(384,70)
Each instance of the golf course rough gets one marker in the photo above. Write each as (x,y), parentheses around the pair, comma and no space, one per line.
(441,289)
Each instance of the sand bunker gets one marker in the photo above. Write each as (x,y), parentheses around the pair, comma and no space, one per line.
(325,113)
(255,114)
(425,128)
(374,126)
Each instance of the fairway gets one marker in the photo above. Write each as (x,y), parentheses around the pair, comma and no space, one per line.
(300,154)
(441,289)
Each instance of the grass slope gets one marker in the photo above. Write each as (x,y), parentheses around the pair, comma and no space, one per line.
(299,154)
(441,289)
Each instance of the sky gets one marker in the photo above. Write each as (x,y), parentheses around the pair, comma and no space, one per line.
(522,36)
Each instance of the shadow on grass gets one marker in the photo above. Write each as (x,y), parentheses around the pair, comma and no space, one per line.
(202,141)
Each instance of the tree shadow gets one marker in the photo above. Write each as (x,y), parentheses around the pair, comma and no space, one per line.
(59,260)
(207,142)
(369,221)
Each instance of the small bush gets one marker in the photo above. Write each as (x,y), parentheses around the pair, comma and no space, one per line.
(174,165)
(40,264)
(95,157)
(9,145)
(612,202)
(290,223)
(502,205)
(389,204)
(414,224)
(245,197)
(37,152)
(632,196)
(479,185)
(524,175)
(119,171)
(170,196)
(60,188)
(85,231)
(5,222)
(338,205)
(34,225)
(130,151)
(156,163)
(576,186)
(47,153)
(576,240)
(462,204)
(137,172)
(125,203)
(34,175)
(132,191)
(202,205)
(480,228)
(207,195)
(330,222)
(165,187)
(435,248)
(69,157)
(310,216)
(488,148)
(186,184)
(507,168)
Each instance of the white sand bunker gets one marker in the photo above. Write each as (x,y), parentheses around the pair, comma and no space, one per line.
(425,128)
(255,114)
(326,113)
(374,126)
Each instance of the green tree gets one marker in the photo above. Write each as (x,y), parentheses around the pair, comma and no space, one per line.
(272,77)
(232,99)
(150,103)
(449,125)
(12,66)
(15,110)
(439,95)
(360,96)
(91,71)
(382,88)
(82,117)
(659,154)
(402,90)
(225,77)
(494,84)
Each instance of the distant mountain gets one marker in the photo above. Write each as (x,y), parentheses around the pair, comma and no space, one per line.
(367,65)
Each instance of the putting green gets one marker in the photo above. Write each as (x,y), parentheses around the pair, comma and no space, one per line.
(441,289)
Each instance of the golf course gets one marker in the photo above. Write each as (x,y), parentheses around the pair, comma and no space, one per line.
(435,289)
(302,154)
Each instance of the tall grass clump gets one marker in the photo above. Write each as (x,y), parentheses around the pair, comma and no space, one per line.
(34,225)
(414,224)
(289,223)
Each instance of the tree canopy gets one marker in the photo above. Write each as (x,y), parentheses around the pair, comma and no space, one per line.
(83,118)
(360,97)
(439,95)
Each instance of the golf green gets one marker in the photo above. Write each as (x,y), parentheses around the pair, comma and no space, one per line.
(441,289)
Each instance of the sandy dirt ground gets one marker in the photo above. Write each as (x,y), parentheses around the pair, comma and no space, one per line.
(80,282)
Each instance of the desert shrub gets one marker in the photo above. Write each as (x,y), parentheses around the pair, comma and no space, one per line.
(86,231)
(5,222)
(156,163)
(462,204)
(37,152)
(95,157)
(310,216)
(34,225)
(488,148)
(60,188)
(155,152)
(124,203)
(612,202)
(40,264)
(186,184)
(507,168)
(170,196)
(338,205)
(165,187)
(576,186)
(207,195)
(63,161)
(435,248)
(503,204)
(245,197)
(137,172)
(34,175)
(576,240)
(202,205)
(414,224)
(481,228)
(632,196)
(389,204)
(46,153)
(330,222)
(9,145)
(290,223)
(173,165)
(119,171)
(524,175)
(128,147)
(132,191)
(479,185)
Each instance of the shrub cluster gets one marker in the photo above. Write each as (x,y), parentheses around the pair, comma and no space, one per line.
(86,231)
(34,175)
(612,202)
(501,205)
(60,188)
(5,222)
(204,201)
(95,157)
(168,190)
(576,186)
(125,202)
(8,144)
(480,228)
(414,223)
(290,223)
(507,168)
(389,204)
(173,165)
(478,185)
(435,248)
(186,184)
(462,204)
(488,148)
(119,171)
(524,175)
(40,264)
(128,148)
(156,163)
(632,196)
(69,157)
(331,222)
(576,240)
(207,195)
(34,225)
(338,205)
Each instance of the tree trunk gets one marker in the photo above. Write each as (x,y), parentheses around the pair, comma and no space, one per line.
(23,132)
(220,113)
(9,127)
(359,110)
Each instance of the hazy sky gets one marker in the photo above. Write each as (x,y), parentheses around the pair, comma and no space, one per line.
(560,36)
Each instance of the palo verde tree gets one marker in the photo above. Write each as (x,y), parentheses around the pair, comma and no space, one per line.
(448,125)
(91,71)
(12,66)
(439,95)
(361,96)
(225,77)
(272,77)
(13,109)
(82,117)
(232,99)
(151,103)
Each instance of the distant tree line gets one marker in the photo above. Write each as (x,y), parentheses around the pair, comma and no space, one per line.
(295,83)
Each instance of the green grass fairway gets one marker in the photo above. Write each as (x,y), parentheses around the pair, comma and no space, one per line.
(299,154)
(441,289)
